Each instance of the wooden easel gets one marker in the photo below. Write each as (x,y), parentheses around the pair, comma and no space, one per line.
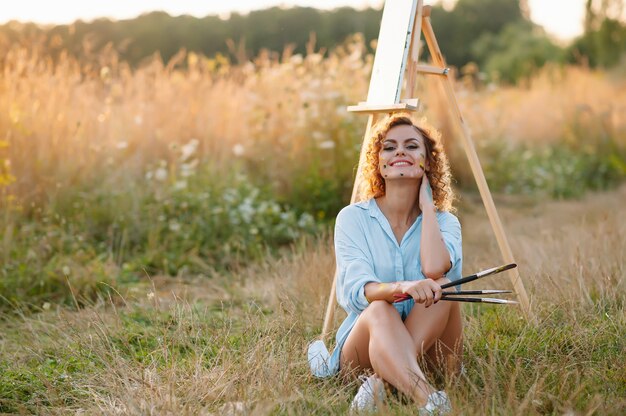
(421,24)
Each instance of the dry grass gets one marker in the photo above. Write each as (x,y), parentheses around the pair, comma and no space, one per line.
(69,126)
(80,142)
(235,343)
(546,109)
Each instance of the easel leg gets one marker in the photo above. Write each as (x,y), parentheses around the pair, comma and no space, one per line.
(477,170)
(330,307)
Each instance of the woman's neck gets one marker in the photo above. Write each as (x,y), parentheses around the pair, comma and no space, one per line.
(400,202)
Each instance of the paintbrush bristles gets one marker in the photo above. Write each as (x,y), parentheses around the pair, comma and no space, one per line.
(482,300)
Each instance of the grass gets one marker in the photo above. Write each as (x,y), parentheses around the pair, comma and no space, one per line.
(235,343)
(197,165)
(72,129)
(164,245)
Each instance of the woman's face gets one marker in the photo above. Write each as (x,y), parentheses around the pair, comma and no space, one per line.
(403,154)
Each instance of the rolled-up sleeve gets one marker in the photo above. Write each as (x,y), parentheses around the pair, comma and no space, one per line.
(354,263)
(451,233)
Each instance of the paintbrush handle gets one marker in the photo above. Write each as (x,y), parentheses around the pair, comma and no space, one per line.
(477,300)
(461,299)
(476,292)
(471,278)
(479,275)
(455,295)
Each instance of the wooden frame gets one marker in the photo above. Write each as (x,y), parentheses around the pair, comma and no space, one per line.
(422,25)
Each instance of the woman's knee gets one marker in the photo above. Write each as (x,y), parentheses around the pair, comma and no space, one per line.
(380,306)
(380,311)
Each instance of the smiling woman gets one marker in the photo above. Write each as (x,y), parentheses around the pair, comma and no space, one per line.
(402,240)
(428,149)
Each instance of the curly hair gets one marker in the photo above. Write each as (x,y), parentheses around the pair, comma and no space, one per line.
(373,184)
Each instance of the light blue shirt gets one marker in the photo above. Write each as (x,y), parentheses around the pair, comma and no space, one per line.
(367,251)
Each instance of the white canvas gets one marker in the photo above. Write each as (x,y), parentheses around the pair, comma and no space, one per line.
(394,41)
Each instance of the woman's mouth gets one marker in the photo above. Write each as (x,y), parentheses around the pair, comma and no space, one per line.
(401,163)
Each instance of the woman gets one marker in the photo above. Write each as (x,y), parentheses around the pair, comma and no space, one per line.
(401,240)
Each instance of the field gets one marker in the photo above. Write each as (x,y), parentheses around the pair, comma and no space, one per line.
(166,234)
(237,341)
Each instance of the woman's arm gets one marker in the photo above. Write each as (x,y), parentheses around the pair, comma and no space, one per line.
(354,263)
(425,291)
(381,291)
(434,255)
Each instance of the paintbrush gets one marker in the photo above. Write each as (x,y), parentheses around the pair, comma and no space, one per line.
(479,275)
(467,279)
(482,300)
(455,296)
(475,292)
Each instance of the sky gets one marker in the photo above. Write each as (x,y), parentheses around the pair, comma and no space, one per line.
(561,18)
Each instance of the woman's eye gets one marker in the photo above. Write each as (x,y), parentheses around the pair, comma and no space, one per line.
(388,148)
(412,146)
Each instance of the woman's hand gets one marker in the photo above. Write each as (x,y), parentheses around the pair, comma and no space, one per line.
(426,194)
(425,291)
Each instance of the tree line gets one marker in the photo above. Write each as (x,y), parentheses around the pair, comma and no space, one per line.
(496,35)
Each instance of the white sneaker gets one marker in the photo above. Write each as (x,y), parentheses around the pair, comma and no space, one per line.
(319,357)
(436,405)
(371,392)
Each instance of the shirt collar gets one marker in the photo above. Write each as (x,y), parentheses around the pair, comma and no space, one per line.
(374,209)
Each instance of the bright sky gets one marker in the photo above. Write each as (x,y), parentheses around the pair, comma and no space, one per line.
(561,18)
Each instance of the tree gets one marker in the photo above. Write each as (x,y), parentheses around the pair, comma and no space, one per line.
(604,41)
(516,52)
(458,28)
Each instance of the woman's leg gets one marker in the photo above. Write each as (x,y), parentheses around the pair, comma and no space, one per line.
(447,353)
(379,340)
(437,332)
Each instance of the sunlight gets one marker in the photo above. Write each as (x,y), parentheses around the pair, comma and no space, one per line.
(561,18)
(567,26)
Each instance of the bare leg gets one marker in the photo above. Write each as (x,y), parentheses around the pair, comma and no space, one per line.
(379,340)
(437,333)
(447,353)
